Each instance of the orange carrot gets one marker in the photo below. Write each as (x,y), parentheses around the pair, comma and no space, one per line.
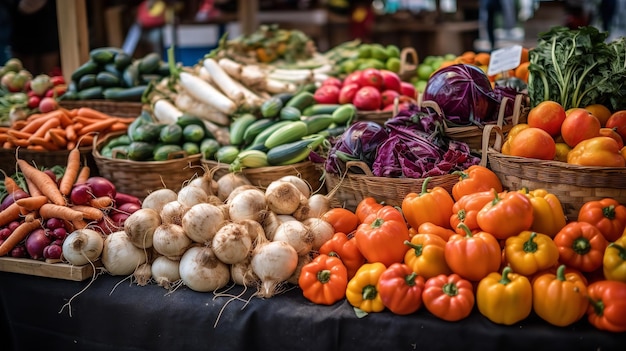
(97,126)
(19,134)
(83,175)
(65,120)
(8,144)
(59,211)
(118,127)
(70,132)
(4,137)
(32,203)
(101,202)
(18,142)
(70,145)
(73,112)
(91,113)
(79,224)
(10,184)
(33,190)
(85,140)
(36,148)
(19,234)
(4,129)
(17,125)
(10,214)
(42,181)
(57,139)
(48,124)
(52,114)
(34,124)
(71,172)
(48,145)
(89,212)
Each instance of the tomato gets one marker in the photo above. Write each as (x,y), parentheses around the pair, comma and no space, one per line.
(33,101)
(578,126)
(342,219)
(332,81)
(56,80)
(347,93)
(387,97)
(547,115)
(408,89)
(618,122)
(371,77)
(391,80)
(367,98)
(354,77)
(533,143)
(612,133)
(327,94)
(600,111)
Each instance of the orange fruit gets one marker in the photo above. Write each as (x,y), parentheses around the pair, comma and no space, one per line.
(600,111)
(521,71)
(533,143)
(482,59)
(562,150)
(524,56)
(547,115)
(579,125)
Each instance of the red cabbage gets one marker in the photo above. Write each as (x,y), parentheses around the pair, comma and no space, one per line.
(464,94)
(358,143)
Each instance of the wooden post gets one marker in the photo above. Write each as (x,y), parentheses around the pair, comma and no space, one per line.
(248,10)
(73,35)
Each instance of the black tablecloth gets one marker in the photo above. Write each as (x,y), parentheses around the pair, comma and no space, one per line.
(125,316)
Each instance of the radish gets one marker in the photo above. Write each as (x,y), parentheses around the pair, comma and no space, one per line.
(120,256)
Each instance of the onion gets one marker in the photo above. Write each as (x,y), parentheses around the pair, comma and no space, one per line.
(36,242)
(140,227)
(192,195)
(101,186)
(270,222)
(322,231)
(314,207)
(296,234)
(170,241)
(54,223)
(158,198)
(248,204)
(128,208)
(202,271)
(228,182)
(303,260)
(283,197)
(165,272)
(300,183)
(82,246)
(253,228)
(81,194)
(206,183)
(239,189)
(173,212)
(273,262)
(12,197)
(241,273)
(120,256)
(232,244)
(202,221)
(123,198)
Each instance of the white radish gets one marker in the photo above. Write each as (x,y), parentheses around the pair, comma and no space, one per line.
(140,226)
(82,246)
(165,272)
(202,271)
(322,231)
(273,262)
(248,204)
(192,195)
(202,221)
(206,93)
(187,103)
(283,197)
(296,234)
(173,212)
(166,112)
(120,256)
(170,241)
(229,182)
(231,243)
(224,82)
(158,198)
(231,67)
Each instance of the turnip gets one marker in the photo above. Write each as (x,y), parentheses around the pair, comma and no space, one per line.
(192,195)
(300,183)
(120,256)
(165,272)
(303,260)
(158,198)
(170,241)
(173,212)
(270,222)
(228,182)
(283,197)
(231,243)
(248,204)
(322,231)
(83,246)
(143,274)
(140,227)
(273,262)
(241,273)
(296,234)
(202,221)
(202,271)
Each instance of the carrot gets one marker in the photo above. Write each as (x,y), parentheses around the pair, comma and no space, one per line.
(70,145)
(79,224)
(48,124)
(57,139)
(33,190)
(70,132)
(52,114)
(8,144)
(97,126)
(4,129)
(34,124)
(118,127)
(10,214)
(91,113)
(19,134)
(42,181)
(65,120)
(48,145)
(83,175)
(73,112)
(36,148)
(101,202)
(19,234)
(17,125)
(89,212)
(10,184)
(32,203)
(85,140)
(18,142)
(59,211)
(71,172)
(4,137)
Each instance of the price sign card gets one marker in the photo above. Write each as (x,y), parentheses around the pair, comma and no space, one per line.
(504,59)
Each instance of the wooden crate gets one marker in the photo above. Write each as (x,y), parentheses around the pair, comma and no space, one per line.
(43,269)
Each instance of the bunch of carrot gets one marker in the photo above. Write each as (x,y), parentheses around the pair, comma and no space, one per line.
(48,199)
(61,129)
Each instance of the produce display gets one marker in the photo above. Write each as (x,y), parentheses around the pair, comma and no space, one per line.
(270,99)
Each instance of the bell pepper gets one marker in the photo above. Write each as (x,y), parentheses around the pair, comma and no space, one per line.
(473,255)
(361,291)
(548,215)
(429,228)
(529,252)
(466,209)
(506,215)
(449,297)
(324,280)
(381,237)
(614,260)
(600,151)
(344,247)
(560,298)
(342,219)
(400,289)
(366,207)
(475,179)
(581,245)
(434,205)
(504,298)
(606,214)
(426,256)
(607,303)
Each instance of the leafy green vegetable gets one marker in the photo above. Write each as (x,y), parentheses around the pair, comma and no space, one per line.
(577,68)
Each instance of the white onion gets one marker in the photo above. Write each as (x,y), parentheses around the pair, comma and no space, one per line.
(173,212)
(201,271)
(273,262)
(248,204)
(303,260)
(170,240)
(296,234)
(192,195)
(283,197)
(322,231)
(254,229)
(241,273)
(165,272)
(239,189)
(202,221)
(158,198)
(231,243)
(270,222)
(143,274)
(229,182)
(206,183)
(318,204)
(120,256)
(82,246)
(300,183)
(140,226)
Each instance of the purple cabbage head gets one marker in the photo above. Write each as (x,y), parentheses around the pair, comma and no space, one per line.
(357,143)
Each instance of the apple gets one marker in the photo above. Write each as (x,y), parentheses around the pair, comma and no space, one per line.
(347,93)
(391,80)
(371,77)
(408,89)
(327,94)
(387,97)
(367,98)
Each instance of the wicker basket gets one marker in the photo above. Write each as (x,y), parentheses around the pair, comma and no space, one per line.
(139,178)
(45,159)
(261,177)
(572,184)
(349,189)
(473,135)
(114,108)
(408,63)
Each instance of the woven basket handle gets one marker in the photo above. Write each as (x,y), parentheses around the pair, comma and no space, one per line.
(490,128)
(408,60)
(177,154)
(362,166)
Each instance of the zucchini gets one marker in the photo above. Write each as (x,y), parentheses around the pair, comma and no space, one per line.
(130,76)
(238,128)
(293,131)
(318,123)
(271,107)
(168,152)
(89,67)
(318,109)
(90,93)
(290,113)
(256,128)
(193,133)
(140,151)
(122,60)
(259,141)
(345,114)
(118,141)
(106,79)
(125,94)
(226,154)
(301,100)
(293,152)
(191,148)
(149,63)
(110,67)
(87,81)
(104,55)
(187,119)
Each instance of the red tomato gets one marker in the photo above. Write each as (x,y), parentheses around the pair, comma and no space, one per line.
(618,122)
(408,89)
(547,115)
(578,126)
(347,93)
(387,97)
(354,77)
(56,80)
(371,77)
(327,94)
(33,101)
(367,99)
(391,80)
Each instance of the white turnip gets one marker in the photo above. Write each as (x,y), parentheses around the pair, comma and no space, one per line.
(140,226)
(165,272)
(83,246)
(232,243)
(158,198)
(202,271)
(120,256)
(283,197)
(248,204)
(170,241)
(296,234)
(202,221)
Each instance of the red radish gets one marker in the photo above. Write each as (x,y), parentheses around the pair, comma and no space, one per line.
(347,93)
(33,101)
(371,77)
(367,99)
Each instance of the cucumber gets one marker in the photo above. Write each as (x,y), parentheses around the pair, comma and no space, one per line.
(238,127)
(104,55)
(226,154)
(259,141)
(318,109)
(191,148)
(122,60)
(208,148)
(149,63)
(193,133)
(301,100)
(171,134)
(106,79)
(140,151)
(318,122)
(109,67)
(89,67)
(118,141)
(256,128)
(125,94)
(163,70)
(291,132)
(168,152)
(271,107)
(131,75)
(345,114)
(187,119)
(284,97)
(87,81)
(90,93)
(148,132)
(290,113)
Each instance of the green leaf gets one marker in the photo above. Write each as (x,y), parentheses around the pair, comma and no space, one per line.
(359,312)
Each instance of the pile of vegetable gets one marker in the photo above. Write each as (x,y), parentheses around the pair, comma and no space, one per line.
(356,55)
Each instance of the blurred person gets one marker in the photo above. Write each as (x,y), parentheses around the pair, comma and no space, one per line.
(35,36)
(578,13)
(606,10)
(490,9)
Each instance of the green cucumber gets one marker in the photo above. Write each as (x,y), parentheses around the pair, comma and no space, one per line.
(191,148)
(140,151)
(271,107)
(238,127)
(293,152)
(122,60)
(193,133)
(125,94)
(131,75)
(318,123)
(87,81)
(318,109)
(226,154)
(90,93)
(89,67)
(171,134)
(148,132)
(208,148)
(291,132)
(118,141)
(149,63)
(345,114)
(104,55)
(256,128)
(168,152)
(106,79)
(290,113)
(301,100)
(259,141)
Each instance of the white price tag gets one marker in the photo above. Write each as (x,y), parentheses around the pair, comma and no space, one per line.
(504,59)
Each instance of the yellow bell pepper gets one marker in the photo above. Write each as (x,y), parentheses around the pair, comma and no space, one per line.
(361,291)
(530,252)
(614,260)
(504,299)
(548,215)
(599,151)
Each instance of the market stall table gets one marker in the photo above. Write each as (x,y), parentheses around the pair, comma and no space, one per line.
(113,314)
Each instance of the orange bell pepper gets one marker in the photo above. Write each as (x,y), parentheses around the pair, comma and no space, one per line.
(366,207)
(529,252)
(581,246)
(434,205)
(362,291)
(466,209)
(449,297)
(600,151)
(506,215)
(381,237)
(430,228)
(548,215)
(560,298)
(342,219)
(607,303)
(504,298)
(475,179)
(473,255)
(344,247)
(614,260)
(324,280)
(426,255)
(606,214)
(400,289)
